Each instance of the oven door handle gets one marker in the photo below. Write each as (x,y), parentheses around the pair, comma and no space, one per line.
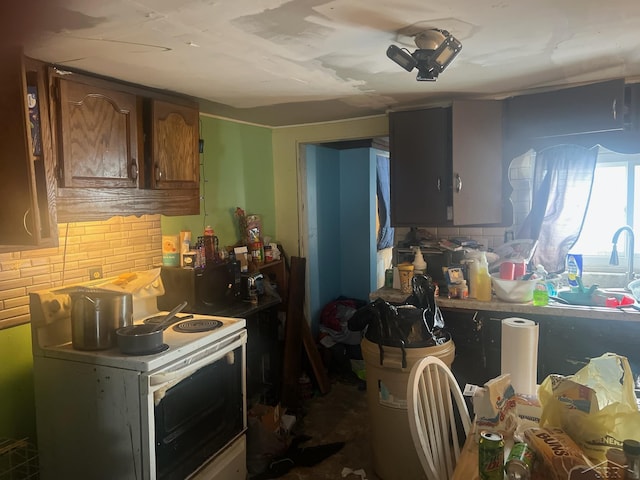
(160,382)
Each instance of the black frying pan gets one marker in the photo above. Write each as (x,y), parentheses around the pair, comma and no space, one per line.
(146,338)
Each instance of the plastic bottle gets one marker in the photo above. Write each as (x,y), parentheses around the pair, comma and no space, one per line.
(540,291)
(463,290)
(472,275)
(419,265)
(483,280)
(574,271)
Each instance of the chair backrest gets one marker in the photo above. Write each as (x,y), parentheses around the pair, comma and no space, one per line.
(437,415)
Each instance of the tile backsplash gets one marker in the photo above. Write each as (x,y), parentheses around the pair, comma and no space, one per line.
(488,237)
(117,245)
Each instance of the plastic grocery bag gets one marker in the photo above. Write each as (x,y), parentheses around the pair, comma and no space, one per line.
(596,406)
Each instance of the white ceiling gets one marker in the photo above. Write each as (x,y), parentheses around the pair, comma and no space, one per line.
(278,62)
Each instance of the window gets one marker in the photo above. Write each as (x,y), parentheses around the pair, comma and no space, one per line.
(616,190)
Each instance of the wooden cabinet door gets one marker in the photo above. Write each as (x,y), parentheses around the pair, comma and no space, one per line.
(420,166)
(27,216)
(175,150)
(97,136)
(477,162)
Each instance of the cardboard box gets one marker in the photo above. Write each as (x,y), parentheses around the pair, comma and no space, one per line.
(270,416)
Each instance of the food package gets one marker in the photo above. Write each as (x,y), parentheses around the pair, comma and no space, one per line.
(557,454)
(596,406)
(495,405)
(254,229)
(142,284)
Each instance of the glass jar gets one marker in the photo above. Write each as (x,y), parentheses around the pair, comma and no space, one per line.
(631,449)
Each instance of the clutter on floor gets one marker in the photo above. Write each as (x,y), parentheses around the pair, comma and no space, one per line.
(330,438)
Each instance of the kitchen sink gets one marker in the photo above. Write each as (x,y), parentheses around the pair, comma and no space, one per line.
(600,297)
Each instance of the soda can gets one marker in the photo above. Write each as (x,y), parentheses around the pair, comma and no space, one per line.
(519,462)
(491,456)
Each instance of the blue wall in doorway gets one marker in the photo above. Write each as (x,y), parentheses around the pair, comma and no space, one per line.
(341,258)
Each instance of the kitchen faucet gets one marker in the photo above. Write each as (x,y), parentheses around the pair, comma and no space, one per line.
(630,244)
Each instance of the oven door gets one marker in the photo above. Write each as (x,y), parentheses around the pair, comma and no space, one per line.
(196,408)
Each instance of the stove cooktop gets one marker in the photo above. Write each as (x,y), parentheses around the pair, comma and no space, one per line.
(199,332)
(187,324)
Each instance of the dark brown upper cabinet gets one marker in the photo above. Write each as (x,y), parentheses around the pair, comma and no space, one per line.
(27,183)
(174,137)
(123,149)
(97,135)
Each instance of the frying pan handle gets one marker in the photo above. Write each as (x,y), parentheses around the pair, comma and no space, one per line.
(166,320)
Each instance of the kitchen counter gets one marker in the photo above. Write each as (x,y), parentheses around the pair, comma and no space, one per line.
(242,309)
(553,309)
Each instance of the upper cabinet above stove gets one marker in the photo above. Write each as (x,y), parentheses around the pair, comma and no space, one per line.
(27,183)
(173,156)
(97,135)
(122,148)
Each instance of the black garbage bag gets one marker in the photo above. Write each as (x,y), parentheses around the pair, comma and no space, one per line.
(417,323)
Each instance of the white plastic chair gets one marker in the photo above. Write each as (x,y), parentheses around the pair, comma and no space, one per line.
(431,393)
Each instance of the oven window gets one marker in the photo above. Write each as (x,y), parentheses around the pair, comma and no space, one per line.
(199,416)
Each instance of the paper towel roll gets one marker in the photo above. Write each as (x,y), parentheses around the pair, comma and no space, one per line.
(519,354)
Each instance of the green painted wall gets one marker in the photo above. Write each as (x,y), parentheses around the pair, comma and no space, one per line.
(237,171)
(17,409)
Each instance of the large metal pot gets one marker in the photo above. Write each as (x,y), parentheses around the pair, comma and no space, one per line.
(96,315)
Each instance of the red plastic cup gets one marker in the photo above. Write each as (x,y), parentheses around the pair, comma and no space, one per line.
(611,302)
(627,300)
(507,270)
(520,269)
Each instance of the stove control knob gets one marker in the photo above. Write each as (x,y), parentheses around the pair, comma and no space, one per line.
(54,306)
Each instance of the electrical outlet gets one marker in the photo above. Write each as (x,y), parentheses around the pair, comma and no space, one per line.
(95,273)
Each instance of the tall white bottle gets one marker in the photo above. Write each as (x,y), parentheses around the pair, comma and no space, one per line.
(419,265)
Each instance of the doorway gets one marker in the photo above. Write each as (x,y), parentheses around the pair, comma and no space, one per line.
(338,221)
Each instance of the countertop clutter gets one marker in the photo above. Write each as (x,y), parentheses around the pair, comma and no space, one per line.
(604,313)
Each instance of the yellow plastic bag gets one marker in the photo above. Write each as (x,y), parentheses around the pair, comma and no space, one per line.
(596,406)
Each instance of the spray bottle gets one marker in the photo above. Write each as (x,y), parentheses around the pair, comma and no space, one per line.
(540,291)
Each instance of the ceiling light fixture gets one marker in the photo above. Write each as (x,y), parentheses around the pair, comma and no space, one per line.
(436,49)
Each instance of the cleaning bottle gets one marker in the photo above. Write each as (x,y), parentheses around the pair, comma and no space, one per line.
(540,291)
(483,279)
(419,265)
(574,271)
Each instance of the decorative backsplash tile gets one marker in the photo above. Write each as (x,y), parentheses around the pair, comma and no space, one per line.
(117,245)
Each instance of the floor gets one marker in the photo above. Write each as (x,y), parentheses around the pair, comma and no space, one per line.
(339,416)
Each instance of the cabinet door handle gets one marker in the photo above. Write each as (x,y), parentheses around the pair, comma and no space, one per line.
(24,222)
(614,112)
(134,170)
(158,173)
(458,183)
(439,184)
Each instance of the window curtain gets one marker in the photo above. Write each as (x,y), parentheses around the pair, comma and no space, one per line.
(386,231)
(563,176)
